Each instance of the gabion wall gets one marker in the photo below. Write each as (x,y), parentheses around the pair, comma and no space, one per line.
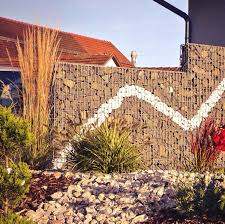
(163,106)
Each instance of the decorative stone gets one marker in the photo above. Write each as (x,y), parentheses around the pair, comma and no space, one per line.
(204,54)
(94,85)
(108,211)
(69,220)
(57,175)
(106,78)
(141,73)
(44,187)
(68,174)
(56,222)
(88,218)
(159,191)
(111,196)
(74,188)
(69,83)
(101,197)
(33,215)
(91,210)
(83,115)
(129,118)
(140,218)
(43,220)
(86,195)
(101,217)
(171,89)
(56,195)
(77,194)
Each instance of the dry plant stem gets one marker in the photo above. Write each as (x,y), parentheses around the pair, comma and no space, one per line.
(37,57)
(6,206)
(5,157)
(6,202)
(6,161)
(22,211)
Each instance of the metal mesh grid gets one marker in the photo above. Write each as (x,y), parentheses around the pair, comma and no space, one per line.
(84,88)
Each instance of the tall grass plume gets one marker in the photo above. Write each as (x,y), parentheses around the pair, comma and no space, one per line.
(37,56)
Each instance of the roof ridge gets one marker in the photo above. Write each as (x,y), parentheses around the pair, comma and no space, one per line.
(51,28)
(119,51)
(93,55)
(93,38)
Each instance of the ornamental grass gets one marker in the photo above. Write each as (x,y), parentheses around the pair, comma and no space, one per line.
(105,149)
(37,56)
(207,143)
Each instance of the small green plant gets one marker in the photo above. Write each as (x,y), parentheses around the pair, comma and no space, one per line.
(13,218)
(185,197)
(15,135)
(221,193)
(222,202)
(40,160)
(14,183)
(203,197)
(105,149)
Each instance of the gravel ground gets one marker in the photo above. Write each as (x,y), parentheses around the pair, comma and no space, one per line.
(143,197)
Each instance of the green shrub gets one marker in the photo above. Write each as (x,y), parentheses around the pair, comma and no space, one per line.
(39,160)
(15,135)
(12,218)
(222,202)
(201,198)
(221,193)
(14,183)
(105,149)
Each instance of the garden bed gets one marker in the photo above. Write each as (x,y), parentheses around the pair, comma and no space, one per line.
(140,197)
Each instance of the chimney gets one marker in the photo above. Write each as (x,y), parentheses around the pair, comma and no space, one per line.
(134,57)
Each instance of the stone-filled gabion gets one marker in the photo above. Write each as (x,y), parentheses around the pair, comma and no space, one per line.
(165,105)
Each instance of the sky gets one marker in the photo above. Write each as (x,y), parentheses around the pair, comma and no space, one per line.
(144,26)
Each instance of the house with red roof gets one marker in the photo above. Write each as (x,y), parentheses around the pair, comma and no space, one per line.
(73,47)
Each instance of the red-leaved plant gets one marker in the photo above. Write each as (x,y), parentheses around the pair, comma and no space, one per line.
(207,142)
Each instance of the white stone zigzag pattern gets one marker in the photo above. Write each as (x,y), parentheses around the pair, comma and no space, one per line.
(132,90)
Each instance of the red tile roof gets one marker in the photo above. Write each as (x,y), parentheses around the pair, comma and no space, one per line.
(176,69)
(75,48)
(8,53)
(93,59)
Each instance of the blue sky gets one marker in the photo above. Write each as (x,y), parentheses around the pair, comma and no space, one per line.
(155,33)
